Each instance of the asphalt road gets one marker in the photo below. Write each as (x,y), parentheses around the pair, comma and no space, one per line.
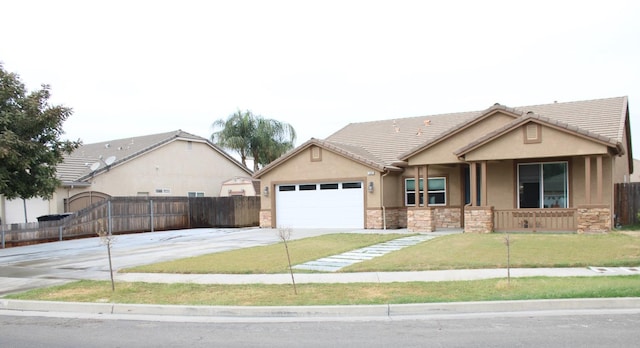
(601,328)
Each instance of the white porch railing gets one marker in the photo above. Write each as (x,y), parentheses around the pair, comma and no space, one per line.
(534,220)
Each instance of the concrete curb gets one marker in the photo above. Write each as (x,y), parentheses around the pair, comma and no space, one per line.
(391,310)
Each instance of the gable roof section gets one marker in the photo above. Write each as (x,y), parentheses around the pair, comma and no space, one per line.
(496,108)
(545,121)
(76,168)
(352,152)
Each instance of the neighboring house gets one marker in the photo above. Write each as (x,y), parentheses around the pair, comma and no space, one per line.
(531,168)
(240,186)
(167,164)
(635,176)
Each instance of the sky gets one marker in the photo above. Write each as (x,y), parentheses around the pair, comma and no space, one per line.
(132,68)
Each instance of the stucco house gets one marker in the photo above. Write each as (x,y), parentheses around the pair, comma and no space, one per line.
(533,168)
(166,164)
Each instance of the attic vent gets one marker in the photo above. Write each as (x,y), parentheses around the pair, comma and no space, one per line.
(532,133)
(316,154)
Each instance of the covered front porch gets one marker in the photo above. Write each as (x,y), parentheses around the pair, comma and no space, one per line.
(524,195)
(552,196)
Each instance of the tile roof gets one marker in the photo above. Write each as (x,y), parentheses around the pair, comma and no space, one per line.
(531,116)
(386,142)
(76,167)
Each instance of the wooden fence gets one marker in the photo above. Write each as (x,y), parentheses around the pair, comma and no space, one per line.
(627,203)
(120,215)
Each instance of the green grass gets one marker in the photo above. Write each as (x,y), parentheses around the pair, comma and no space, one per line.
(527,250)
(270,258)
(341,294)
(456,251)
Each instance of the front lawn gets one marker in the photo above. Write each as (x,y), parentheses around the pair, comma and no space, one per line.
(458,251)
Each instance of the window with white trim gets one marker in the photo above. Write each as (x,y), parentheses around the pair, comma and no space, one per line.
(195,194)
(436,191)
(543,185)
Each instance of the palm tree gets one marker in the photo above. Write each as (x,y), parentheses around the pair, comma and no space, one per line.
(272,139)
(235,134)
(252,135)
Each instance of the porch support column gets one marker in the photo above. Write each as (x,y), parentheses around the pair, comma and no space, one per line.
(599,179)
(421,219)
(483,184)
(587,179)
(473,187)
(593,218)
(426,185)
(417,185)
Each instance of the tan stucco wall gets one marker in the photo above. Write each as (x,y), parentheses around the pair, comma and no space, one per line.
(577,171)
(443,152)
(501,185)
(179,166)
(554,144)
(333,167)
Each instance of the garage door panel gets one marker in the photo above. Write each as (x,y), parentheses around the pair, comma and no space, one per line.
(333,206)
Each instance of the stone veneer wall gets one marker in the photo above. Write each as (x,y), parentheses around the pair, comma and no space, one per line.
(375,221)
(265,219)
(478,219)
(448,217)
(594,219)
(421,220)
(402,217)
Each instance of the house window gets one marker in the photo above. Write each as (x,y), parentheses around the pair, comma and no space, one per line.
(165,191)
(436,191)
(284,188)
(195,194)
(543,185)
(308,187)
(351,185)
(328,186)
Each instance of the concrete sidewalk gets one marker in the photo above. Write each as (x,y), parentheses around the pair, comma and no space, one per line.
(373,277)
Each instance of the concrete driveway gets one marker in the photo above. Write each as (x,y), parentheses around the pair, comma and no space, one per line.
(34,266)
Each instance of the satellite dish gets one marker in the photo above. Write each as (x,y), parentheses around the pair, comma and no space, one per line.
(95,166)
(109,161)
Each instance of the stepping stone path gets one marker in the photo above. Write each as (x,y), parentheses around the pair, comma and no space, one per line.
(336,262)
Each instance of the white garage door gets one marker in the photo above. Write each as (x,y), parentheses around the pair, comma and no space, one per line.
(322,205)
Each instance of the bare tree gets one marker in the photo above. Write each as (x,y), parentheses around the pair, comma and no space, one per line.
(507,242)
(106,238)
(284,233)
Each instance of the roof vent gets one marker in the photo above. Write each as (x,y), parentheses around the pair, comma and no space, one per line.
(427,122)
(530,112)
(106,146)
(496,104)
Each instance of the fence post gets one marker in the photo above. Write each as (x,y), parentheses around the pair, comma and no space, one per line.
(151,210)
(2,235)
(109,217)
(60,233)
